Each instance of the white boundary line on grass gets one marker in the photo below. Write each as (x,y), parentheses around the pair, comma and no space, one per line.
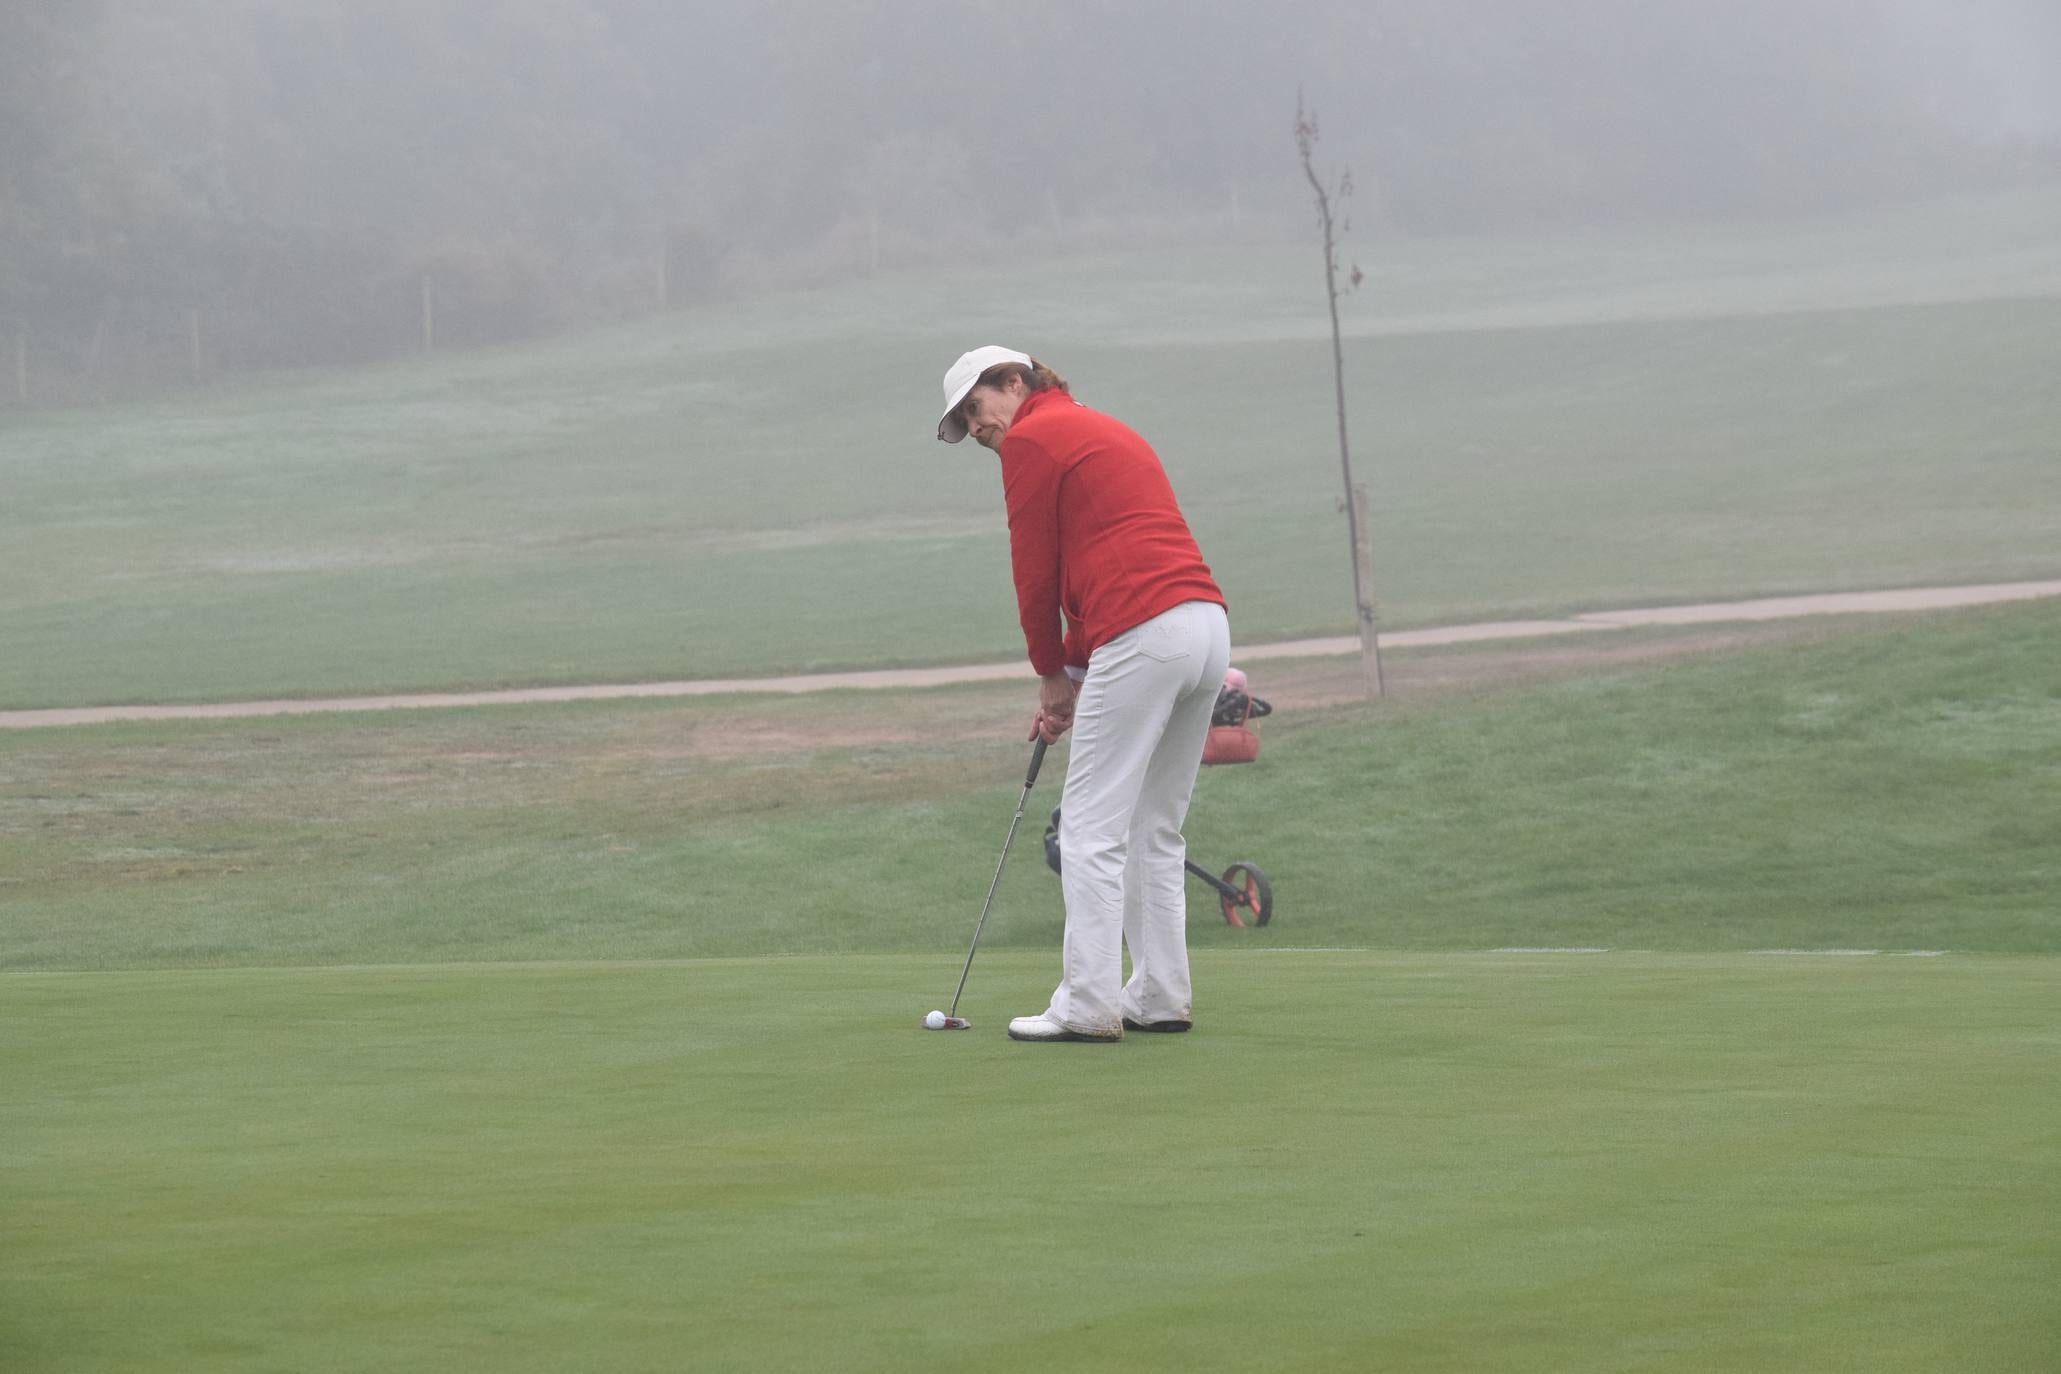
(518,967)
(1816,953)
(1769,608)
(1599,949)
(1857,953)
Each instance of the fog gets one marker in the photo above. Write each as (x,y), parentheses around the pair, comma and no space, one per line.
(1993,71)
(233,184)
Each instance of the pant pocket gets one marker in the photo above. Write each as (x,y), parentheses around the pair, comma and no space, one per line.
(1163,644)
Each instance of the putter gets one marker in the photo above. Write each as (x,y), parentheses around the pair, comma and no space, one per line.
(953,1021)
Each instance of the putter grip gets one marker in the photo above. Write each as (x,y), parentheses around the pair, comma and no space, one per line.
(1037,758)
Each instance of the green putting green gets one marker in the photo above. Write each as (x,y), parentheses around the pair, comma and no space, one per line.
(1356,1161)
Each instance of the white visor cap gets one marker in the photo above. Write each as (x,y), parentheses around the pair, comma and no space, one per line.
(959,379)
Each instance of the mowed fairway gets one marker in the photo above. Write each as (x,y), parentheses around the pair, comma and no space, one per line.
(1544,424)
(1455,1162)
(585,1036)
(1454,1158)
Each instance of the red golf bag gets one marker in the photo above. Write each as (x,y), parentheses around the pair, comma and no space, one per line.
(1231,736)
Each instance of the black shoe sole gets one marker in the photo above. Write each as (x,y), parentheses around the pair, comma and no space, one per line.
(1163,1027)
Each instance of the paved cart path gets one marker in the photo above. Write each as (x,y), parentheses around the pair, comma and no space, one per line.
(1771,608)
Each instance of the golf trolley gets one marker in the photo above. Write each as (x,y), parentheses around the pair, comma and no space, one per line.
(1243,891)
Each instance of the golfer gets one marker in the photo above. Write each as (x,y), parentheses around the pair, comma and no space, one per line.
(1127,632)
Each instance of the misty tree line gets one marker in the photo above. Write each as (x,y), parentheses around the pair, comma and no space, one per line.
(232,184)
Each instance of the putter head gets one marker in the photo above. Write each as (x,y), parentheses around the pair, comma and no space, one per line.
(951,1023)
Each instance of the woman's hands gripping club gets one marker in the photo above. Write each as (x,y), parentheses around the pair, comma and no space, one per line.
(1055,707)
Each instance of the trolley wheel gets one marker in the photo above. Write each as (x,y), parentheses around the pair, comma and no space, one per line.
(1255,896)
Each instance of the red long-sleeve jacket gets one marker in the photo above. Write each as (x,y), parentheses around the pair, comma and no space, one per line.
(1094,531)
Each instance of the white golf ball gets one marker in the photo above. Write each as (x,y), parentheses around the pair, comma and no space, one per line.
(934,1021)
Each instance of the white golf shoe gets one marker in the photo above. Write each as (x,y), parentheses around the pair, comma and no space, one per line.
(1043,1027)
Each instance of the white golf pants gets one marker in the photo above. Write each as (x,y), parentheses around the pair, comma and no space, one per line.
(1138,731)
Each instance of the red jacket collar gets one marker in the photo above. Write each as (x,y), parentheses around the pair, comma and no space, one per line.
(1038,400)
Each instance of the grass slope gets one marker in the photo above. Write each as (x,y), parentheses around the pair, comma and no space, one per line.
(1545,423)
(1883,785)
(1431,1162)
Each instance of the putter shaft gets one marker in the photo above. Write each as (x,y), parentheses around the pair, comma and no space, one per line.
(1029,780)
